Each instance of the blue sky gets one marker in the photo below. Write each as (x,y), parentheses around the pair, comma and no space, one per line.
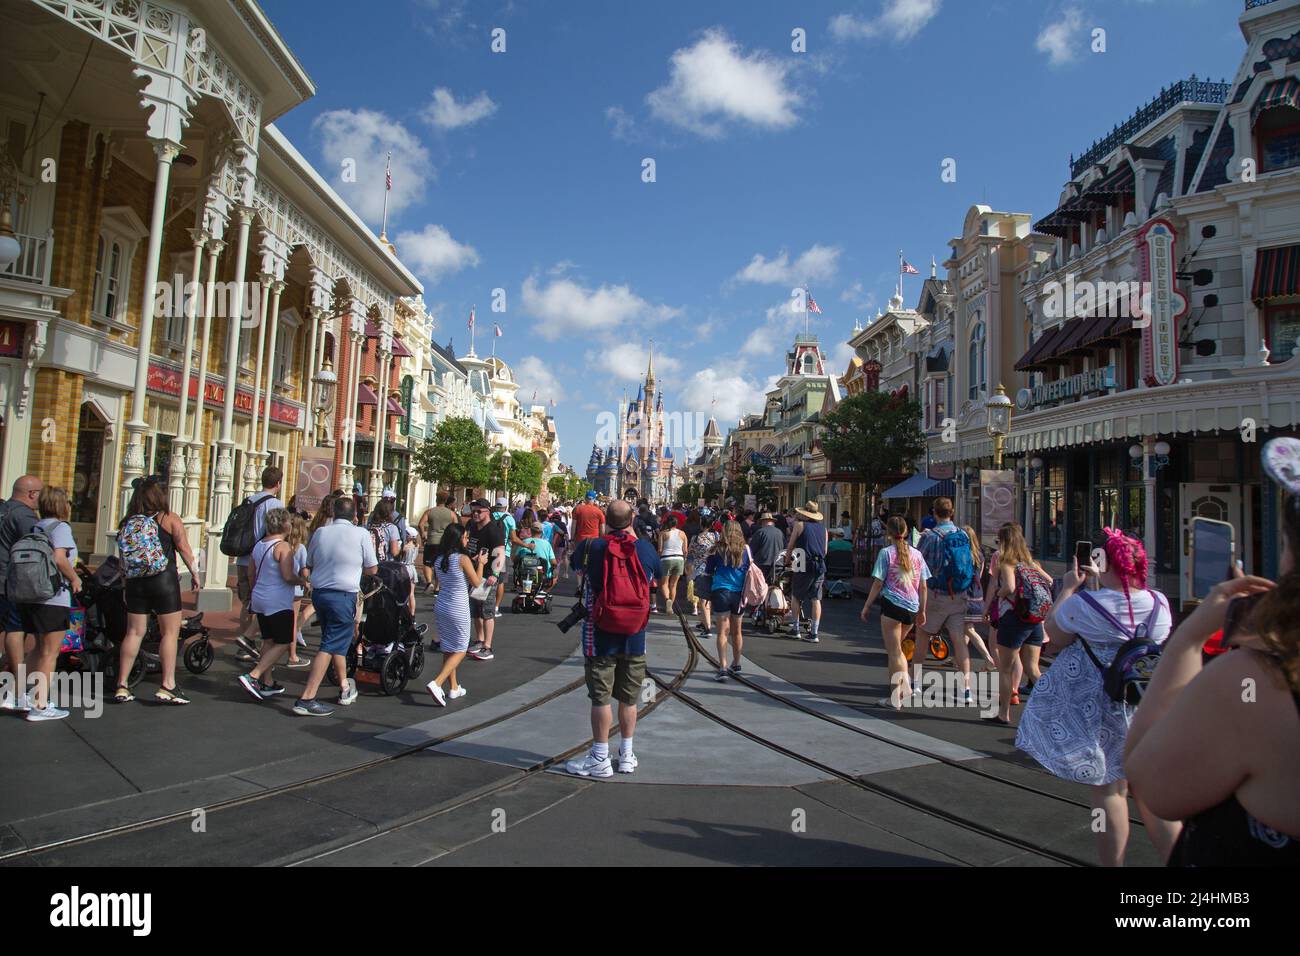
(522,170)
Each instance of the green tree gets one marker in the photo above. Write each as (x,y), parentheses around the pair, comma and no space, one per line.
(526,469)
(558,485)
(875,435)
(455,455)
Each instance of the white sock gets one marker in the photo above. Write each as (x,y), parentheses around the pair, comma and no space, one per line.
(625,746)
(600,751)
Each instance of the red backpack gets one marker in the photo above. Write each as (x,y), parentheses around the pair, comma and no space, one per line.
(623,605)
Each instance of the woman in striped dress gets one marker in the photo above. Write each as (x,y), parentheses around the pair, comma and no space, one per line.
(457,573)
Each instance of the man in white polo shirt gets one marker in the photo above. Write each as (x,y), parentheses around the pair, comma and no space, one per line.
(337,556)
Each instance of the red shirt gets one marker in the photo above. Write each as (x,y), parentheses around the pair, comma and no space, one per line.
(587,520)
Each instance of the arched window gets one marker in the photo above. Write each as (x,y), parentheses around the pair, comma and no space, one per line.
(807,363)
(977,362)
(120,233)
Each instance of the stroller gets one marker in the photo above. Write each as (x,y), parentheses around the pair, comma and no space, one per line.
(389,650)
(772,617)
(533,579)
(94,639)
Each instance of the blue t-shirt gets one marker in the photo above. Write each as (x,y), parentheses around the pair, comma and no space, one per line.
(548,530)
(542,549)
(508,520)
(726,578)
(598,643)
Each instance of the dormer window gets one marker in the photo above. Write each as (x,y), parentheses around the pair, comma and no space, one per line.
(807,363)
(1277,135)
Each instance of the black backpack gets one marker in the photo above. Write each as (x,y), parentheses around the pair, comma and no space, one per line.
(239,534)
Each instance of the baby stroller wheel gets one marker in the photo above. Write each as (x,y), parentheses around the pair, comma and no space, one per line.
(393,675)
(416,666)
(199,655)
(137,669)
(769,626)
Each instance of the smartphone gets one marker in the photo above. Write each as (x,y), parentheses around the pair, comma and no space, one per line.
(1212,552)
(1083,553)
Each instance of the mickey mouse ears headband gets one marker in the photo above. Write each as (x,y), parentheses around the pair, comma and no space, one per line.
(1281,460)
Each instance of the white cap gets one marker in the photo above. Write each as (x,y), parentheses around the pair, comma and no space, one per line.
(389,493)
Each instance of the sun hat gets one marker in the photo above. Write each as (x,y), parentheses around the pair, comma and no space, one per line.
(809,511)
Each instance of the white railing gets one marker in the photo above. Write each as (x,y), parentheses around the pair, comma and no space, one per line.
(35,258)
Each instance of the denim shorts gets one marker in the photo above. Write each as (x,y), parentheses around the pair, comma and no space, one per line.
(337,611)
(1015,633)
(726,602)
(10,617)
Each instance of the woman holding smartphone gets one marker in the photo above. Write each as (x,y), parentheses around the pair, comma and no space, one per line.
(1215,745)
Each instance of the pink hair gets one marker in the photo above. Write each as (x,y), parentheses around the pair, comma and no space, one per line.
(1128,559)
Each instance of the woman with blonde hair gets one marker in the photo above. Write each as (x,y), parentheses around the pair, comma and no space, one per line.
(898,579)
(975,602)
(726,568)
(1019,641)
(273,571)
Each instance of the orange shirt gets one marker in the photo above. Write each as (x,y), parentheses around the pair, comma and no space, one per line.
(587,520)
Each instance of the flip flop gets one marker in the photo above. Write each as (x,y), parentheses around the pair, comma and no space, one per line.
(996,720)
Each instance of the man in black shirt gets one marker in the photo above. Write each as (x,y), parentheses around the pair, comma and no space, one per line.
(17,518)
(766,545)
(486,536)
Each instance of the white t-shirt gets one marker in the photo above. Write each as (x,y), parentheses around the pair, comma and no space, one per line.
(60,533)
(1077,616)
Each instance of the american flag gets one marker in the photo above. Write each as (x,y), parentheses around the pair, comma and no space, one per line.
(909,269)
(471,318)
(813,306)
(496,330)
(388,172)
(534,394)
(552,403)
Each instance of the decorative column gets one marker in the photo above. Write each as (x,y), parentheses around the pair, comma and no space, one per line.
(133,460)
(191,513)
(264,445)
(383,353)
(357,335)
(215,593)
(255,454)
(1149,495)
(318,294)
(179,470)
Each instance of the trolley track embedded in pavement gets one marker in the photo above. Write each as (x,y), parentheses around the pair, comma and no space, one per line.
(888,793)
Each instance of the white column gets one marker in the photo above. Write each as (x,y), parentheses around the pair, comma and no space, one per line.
(215,594)
(310,367)
(191,512)
(383,354)
(1149,494)
(270,370)
(180,459)
(133,459)
(253,459)
(345,412)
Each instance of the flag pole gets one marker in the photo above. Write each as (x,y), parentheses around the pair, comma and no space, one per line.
(388,172)
(900,274)
(494,340)
(805,308)
(472,324)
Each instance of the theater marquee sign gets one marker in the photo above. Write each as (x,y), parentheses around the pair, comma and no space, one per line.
(1157,268)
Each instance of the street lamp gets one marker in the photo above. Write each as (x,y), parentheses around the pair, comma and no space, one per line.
(326,382)
(999,423)
(505,467)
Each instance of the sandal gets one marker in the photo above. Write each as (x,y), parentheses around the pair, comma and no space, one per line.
(123,695)
(170,695)
(996,720)
(1015,700)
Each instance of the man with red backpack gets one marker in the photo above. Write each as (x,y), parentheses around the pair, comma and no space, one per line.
(951,560)
(619,568)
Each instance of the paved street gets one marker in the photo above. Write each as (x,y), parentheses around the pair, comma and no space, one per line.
(475,783)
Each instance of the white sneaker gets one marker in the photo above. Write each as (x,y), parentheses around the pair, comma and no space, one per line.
(458,692)
(589,766)
(349,695)
(626,762)
(439,697)
(8,701)
(49,713)
(302,641)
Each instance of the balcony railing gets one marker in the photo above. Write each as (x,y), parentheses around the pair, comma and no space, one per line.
(1251,4)
(35,258)
(1184,91)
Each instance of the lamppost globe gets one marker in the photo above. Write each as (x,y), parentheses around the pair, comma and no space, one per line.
(998,422)
(326,382)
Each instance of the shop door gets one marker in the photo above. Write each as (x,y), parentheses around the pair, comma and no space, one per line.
(86,476)
(1220,502)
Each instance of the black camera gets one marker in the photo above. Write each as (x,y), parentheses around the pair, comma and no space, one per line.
(573,617)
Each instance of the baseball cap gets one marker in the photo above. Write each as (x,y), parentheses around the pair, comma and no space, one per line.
(501,502)
(389,493)
(479,503)
(591,495)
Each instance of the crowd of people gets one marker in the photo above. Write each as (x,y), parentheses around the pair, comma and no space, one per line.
(1213,781)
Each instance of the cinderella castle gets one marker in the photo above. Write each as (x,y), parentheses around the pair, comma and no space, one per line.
(640,466)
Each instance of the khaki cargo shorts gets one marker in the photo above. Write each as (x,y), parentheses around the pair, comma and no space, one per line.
(620,677)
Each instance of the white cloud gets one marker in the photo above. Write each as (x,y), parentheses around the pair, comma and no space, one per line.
(1056,38)
(899,19)
(621,123)
(532,373)
(444,112)
(364,138)
(773,335)
(565,307)
(432,253)
(627,361)
(714,81)
(818,262)
(858,297)
(735,394)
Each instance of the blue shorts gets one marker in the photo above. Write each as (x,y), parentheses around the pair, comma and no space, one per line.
(1015,633)
(337,611)
(10,617)
(726,602)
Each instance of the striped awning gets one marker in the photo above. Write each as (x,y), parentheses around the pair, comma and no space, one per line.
(1042,349)
(1281,93)
(1277,273)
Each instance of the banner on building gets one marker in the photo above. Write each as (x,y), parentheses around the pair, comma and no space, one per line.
(315,478)
(997,503)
